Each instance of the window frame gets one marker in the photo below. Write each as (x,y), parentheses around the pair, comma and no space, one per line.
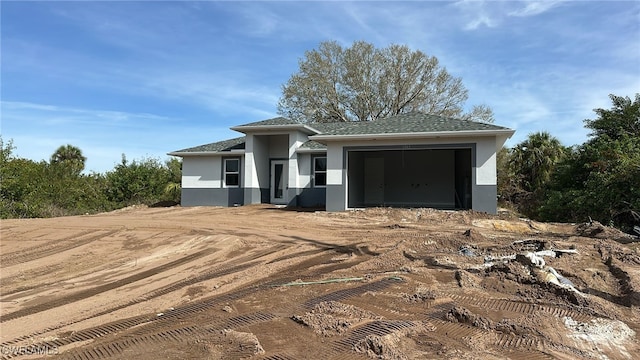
(314,171)
(225,172)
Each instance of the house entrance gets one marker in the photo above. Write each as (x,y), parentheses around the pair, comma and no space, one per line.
(278,182)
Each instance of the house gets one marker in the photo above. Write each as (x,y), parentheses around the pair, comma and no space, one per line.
(408,160)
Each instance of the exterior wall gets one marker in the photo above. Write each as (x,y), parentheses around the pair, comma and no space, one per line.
(295,185)
(202,183)
(336,189)
(201,172)
(256,170)
(484,191)
(306,194)
(212,197)
(483,169)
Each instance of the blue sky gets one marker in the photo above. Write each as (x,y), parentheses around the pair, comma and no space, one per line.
(145,78)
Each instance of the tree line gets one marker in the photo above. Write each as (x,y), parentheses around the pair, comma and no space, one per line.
(58,187)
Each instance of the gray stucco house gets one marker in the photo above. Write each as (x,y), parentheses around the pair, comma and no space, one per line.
(409,160)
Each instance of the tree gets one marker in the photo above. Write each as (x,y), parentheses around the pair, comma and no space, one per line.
(69,157)
(620,121)
(363,83)
(535,159)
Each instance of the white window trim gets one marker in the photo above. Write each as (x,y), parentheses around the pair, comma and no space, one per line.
(313,168)
(224,172)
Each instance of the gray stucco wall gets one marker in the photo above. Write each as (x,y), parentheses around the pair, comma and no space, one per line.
(311,197)
(256,195)
(485,198)
(336,198)
(212,197)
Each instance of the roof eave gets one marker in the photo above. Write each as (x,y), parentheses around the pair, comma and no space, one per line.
(205,153)
(303,151)
(413,135)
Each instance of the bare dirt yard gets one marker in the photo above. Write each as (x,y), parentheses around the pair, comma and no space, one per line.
(261,282)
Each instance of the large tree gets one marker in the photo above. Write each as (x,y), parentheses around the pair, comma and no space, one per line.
(363,83)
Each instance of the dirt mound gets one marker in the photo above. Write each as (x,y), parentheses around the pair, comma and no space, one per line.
(395,345)
(466,279)
(247,342)
(596,230)
(381,347)
(462,315)
(420,295)
(330,318)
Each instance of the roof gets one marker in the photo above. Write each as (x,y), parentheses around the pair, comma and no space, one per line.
(415,122)
(270,122)
(275,124)
(220,146)
(312,145)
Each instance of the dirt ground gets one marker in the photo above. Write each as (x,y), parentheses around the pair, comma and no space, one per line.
(262,282)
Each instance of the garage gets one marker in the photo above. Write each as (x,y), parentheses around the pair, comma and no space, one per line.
(436,177)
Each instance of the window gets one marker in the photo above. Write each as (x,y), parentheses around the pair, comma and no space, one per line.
(231,172)
(319,171)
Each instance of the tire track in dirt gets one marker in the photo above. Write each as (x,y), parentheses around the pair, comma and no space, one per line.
(148,325)
(151,324)
(226,269)
(213,333)
(102,288)
(351,292)
(345,348)
(519,307)
(53,247)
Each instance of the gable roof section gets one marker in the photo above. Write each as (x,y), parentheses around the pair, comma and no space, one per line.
(236,145)
(275,124)
(270,122)
(311,146)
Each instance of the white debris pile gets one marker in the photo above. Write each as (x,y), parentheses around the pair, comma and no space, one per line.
(537,259)
(602,335)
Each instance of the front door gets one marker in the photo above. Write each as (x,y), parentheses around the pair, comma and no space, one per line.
(279,183)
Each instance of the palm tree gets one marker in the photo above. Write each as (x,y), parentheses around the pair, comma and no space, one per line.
(535,158)
(69,156)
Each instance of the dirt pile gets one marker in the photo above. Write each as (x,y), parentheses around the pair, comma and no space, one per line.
(330,318)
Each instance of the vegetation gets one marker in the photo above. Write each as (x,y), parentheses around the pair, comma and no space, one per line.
(58,187)
(363,83)
(597,180)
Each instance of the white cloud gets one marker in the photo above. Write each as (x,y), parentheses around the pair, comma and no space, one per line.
(535,7)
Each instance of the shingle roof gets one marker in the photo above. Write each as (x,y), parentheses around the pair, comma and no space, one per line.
(225,145)
(415,122)
(313,145)
(274,121)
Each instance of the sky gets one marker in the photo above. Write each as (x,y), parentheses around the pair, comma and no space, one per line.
(149,77)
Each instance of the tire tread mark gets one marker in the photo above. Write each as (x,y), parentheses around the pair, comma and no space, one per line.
(71,298)
(53,247)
